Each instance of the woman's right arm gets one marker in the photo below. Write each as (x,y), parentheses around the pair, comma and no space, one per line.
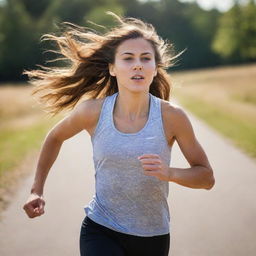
(82,117)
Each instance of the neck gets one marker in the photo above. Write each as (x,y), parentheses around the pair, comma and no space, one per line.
(132,106)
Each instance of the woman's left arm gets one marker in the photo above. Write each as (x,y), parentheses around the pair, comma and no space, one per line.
(200,173)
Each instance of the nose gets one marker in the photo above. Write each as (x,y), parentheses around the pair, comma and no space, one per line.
(137,66)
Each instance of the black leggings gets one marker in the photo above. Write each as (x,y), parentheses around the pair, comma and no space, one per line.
(97,240)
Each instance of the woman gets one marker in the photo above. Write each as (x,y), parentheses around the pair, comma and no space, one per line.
(132,127)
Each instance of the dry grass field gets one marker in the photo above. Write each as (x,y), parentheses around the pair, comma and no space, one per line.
(23,125)
(17,107)
(223,97)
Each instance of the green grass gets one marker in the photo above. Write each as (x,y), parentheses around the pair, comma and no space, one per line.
(15,144)
(248,97)
(242,132)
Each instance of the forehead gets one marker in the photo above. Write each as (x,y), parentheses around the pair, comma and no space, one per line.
(135,46)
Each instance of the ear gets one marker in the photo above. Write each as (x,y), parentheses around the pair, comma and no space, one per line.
(111,69)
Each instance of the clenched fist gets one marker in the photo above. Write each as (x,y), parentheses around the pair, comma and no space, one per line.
(153,165)
(34,206)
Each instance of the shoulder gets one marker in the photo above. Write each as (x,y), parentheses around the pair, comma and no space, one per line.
(172,111)
(83,116)
(174,117)
(90,107)
(89,111)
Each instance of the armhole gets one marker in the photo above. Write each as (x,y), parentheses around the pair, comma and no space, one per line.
(100,119)
(162,122)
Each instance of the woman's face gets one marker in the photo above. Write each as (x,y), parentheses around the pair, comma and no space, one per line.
(134,66)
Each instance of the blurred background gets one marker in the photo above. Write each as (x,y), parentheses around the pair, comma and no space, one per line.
(214,32)
(214,77)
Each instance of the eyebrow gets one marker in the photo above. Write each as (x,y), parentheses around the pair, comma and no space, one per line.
(129,53)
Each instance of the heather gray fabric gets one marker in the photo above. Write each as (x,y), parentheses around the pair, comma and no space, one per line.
(126,200)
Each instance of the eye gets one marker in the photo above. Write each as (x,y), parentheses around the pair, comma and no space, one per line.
(146,58)
(128,58)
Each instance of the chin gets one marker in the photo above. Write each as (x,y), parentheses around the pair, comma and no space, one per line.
(138,88)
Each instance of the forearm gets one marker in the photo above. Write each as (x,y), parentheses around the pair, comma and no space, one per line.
(194,177)
(48,155)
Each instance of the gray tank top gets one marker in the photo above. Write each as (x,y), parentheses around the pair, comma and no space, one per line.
(126,200)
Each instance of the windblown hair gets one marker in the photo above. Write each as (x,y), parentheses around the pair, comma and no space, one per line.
(89,54)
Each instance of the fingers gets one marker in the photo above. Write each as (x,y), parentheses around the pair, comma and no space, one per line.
(41,207)
(150,162)
(145,156)
(151,167)
(149,159)
(151,173)
(34,208)
(29,209)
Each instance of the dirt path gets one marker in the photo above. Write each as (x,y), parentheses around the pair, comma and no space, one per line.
(219,222)
(204,223)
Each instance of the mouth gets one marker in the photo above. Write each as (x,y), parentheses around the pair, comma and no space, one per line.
(137,77)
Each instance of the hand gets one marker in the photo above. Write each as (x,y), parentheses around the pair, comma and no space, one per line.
(153,165)
(34,206)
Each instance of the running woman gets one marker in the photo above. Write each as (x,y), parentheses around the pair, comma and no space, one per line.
(132,126)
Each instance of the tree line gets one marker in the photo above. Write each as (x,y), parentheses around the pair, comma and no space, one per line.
(210,38)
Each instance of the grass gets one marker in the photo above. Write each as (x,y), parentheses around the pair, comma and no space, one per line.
(23,126)
(225,99)
(16,143)
(248,97)
(242,132)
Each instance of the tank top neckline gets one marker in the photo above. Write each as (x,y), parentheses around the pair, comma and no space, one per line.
(143,128)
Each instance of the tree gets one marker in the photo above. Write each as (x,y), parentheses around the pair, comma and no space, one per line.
(248,32)
(20,36)
(187,26)
(235,39)
(98,15)
(16,40)
(35,9)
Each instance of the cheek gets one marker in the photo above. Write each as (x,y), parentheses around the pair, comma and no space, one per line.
(121,67)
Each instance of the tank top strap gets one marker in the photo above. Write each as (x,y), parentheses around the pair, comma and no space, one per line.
(104,120)
(156,107)
(156,120)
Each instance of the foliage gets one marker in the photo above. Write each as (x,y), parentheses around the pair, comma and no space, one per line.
(236,36)
(95,14)
(20,34)
(209,37)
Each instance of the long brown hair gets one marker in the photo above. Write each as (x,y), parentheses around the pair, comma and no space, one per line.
(89,54)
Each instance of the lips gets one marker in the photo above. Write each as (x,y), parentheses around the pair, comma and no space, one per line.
(137,77)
